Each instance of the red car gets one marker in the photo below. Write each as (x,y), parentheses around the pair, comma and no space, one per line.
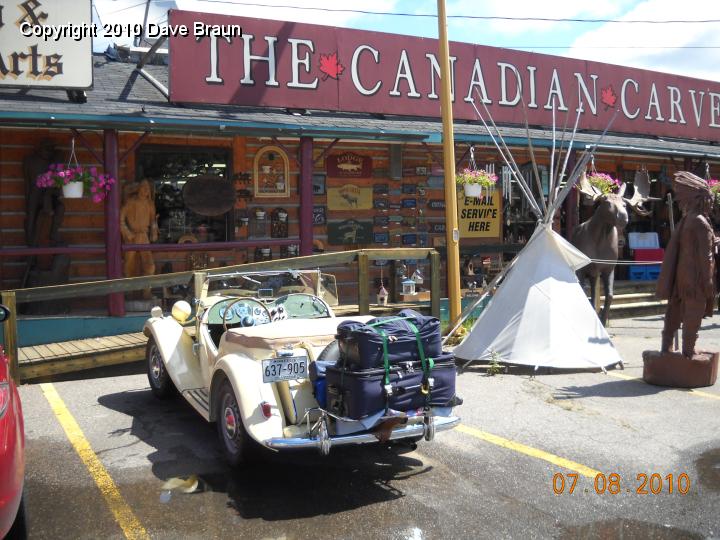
(12,452)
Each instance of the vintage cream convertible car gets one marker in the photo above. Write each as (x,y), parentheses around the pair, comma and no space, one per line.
(245,361)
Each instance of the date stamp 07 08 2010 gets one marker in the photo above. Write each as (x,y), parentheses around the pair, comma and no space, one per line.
(614,484)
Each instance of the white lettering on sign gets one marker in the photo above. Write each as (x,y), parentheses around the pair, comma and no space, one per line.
(714,109)
(476,79)
(250,58)
(503,85)
(532,103)
(355,75)
(623,100)
(404,72)
(697,109)
(435,72)
(296,62)
(583,91)
(675,105)
(555,94)
(214,77)
(654,102)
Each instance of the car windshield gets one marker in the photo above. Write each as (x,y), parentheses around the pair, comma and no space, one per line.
(272,285)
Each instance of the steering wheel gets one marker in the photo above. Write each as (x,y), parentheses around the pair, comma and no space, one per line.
(254,302)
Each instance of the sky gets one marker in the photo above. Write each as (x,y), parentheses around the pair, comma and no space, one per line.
(691,49)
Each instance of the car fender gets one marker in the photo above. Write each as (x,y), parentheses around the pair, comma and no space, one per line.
(176,350)
(245,376)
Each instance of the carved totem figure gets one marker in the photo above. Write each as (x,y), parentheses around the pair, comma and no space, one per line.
(138,225)
(687,277)
(41,200)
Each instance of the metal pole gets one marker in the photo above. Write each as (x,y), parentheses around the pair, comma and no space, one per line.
(451,217)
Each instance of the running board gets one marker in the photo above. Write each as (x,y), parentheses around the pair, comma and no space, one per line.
(200,400)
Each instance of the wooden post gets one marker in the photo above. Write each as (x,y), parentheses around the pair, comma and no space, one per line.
(113,248)
(392,283)
(363,284)
(11,337)
(435,284)
(306,195)
(452,233)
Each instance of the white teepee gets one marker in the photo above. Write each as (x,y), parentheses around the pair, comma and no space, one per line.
(540,315)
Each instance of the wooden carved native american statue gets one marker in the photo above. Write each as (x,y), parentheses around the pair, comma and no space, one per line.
(687,276)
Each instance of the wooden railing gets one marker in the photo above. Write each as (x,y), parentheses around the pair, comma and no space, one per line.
(11,298)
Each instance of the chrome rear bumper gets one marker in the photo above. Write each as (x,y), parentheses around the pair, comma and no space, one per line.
(441,423)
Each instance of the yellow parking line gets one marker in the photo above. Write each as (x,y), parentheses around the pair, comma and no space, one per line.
(698,393)
(121,511)
(528,450)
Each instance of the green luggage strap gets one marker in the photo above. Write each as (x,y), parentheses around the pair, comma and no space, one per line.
(427,363)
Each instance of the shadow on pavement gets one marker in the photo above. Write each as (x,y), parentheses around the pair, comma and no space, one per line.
(609,389)
(278,486)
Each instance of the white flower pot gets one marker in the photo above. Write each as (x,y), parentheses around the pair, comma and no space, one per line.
(472,190)
(73,190)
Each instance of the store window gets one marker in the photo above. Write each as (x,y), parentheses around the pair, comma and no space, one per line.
(170,169)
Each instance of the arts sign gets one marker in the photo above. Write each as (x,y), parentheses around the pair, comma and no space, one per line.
(293,65)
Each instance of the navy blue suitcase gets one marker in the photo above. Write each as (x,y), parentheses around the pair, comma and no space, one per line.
(358,394)
(361,344)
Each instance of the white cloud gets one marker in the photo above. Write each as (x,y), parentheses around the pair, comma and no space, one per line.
(693,62)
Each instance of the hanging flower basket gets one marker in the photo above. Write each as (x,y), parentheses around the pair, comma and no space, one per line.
(714,186)
(75,179)
(604,182)
(475,181)
(73,190)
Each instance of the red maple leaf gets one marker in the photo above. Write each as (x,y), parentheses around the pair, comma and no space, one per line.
(608,97)
(330,65)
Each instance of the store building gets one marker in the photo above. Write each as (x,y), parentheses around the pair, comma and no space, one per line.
(293,138)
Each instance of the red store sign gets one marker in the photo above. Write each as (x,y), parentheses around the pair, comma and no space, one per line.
(283,64)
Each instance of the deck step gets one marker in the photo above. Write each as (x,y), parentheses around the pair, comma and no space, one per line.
(637,309)
(39,361)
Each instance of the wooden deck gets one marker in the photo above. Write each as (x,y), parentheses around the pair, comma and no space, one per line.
(79,354)
(40,361)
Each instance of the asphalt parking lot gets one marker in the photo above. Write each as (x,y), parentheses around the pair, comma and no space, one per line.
(136,467)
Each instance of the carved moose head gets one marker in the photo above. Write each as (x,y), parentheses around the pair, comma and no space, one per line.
(611,206)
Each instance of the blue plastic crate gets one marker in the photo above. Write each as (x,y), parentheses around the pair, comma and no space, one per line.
(637,272)
(652,272)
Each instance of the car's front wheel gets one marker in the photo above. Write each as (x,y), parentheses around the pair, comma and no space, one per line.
(235,440)
(160,382)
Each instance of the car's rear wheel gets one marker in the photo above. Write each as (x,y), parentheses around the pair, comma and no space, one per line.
(233,437)
(160,382)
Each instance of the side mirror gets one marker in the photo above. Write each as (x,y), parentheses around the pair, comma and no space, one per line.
(4,313)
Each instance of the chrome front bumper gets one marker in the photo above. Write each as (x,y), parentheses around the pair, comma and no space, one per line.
(441,423)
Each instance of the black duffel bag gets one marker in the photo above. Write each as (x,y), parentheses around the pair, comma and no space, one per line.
(361,344)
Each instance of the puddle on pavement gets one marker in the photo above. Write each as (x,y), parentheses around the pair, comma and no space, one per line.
(627,529)
(707,466)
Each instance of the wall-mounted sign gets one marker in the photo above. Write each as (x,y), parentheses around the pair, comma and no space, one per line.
(381,237)
(272,63)
(436,182)
(409,203)
(48,44)
(380,204)
(395,205)
(480,217)
(349,197)
(381,189)
(409,221)
(437,228)
(436,204)
(349,165)
(409,189)
(350,231)
(271,172)
(319,216)
(380,221)
(318,184)
(409,239)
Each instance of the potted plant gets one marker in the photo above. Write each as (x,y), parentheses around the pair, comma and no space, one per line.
(76,180)
(474,180)
(714,186)
(603,182)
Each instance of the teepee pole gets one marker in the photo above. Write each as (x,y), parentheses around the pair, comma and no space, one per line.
(553,207)
(508,159)
(536,173)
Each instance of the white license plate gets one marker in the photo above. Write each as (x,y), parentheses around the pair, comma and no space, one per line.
(285,368)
